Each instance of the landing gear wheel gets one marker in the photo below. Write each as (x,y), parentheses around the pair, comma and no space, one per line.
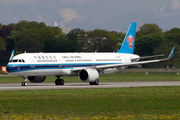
(23,83)
(96,82)
(25,79)
(57,82)
(61,82)
(91,83)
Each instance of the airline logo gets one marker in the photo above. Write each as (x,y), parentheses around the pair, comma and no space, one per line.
(130,39)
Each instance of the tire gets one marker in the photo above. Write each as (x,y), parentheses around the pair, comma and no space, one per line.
(91,83)
(96,82)
(61,82)
(57,82)
(23,83)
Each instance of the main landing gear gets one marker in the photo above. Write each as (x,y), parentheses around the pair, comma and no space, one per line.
(25,79)
(59,81)
(94,83)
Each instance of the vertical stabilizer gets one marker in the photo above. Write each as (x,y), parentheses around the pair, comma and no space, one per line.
(129,40)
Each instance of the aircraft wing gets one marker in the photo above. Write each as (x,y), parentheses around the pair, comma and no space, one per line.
(130,64)
(145,57)
(127,64)
(135,63)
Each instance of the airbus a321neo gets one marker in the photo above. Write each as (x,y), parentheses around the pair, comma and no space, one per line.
(34,67)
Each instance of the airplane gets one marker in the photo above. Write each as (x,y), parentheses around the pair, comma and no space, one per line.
(34,67)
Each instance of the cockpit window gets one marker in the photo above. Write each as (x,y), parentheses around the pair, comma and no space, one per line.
(15,60)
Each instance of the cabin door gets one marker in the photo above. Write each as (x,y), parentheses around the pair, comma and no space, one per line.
(32,66)
(93,61)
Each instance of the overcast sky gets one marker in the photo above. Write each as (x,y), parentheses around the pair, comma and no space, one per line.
(112,15)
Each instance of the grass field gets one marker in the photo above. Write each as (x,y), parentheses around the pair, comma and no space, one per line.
(116,77)
(126,103)
(113,103)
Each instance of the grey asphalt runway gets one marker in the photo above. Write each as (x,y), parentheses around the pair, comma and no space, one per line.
(83,85)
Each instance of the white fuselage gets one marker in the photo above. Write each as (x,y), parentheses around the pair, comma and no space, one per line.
(63,64)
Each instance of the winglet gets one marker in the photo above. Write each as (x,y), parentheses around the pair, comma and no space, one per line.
(12,55)
(172,51)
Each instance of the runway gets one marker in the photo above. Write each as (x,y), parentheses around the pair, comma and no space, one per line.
(83,85)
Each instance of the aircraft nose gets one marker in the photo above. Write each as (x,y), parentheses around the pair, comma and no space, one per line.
(8,69)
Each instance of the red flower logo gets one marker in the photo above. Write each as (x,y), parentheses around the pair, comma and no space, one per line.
(130,39)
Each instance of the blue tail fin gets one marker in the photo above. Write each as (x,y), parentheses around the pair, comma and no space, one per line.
(129,40)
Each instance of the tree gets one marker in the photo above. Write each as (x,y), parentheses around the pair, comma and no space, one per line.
(4,31)
(96,37)
(145,45)
(165,49)
(2,50)
(74,40)
(1,25)
(57,44)
(173,35)
(111,42)
(148,29)
(29,44)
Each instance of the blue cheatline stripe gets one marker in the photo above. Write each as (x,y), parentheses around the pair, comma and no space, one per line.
(27,67)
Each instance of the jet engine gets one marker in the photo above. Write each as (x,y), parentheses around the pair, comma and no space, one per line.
(88,75)
(36,79)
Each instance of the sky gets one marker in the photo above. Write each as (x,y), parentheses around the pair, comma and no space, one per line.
(111,15)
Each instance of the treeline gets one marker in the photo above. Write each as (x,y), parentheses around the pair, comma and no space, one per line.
(37,37)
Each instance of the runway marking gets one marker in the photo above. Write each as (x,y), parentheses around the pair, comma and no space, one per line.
(83,85)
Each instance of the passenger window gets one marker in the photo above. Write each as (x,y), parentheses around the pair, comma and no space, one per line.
(23,60)
(50,57)
(43,57)
(46,57)
(35,57)
(39,57)
(20,60)
(54,57)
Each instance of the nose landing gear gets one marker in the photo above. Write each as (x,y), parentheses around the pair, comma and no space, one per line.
(25,79)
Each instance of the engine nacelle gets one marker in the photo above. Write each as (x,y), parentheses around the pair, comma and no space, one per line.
(36,79)
(88,75)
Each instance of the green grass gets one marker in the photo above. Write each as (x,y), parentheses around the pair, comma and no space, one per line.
(87,103)
(116,77)
(112,103)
